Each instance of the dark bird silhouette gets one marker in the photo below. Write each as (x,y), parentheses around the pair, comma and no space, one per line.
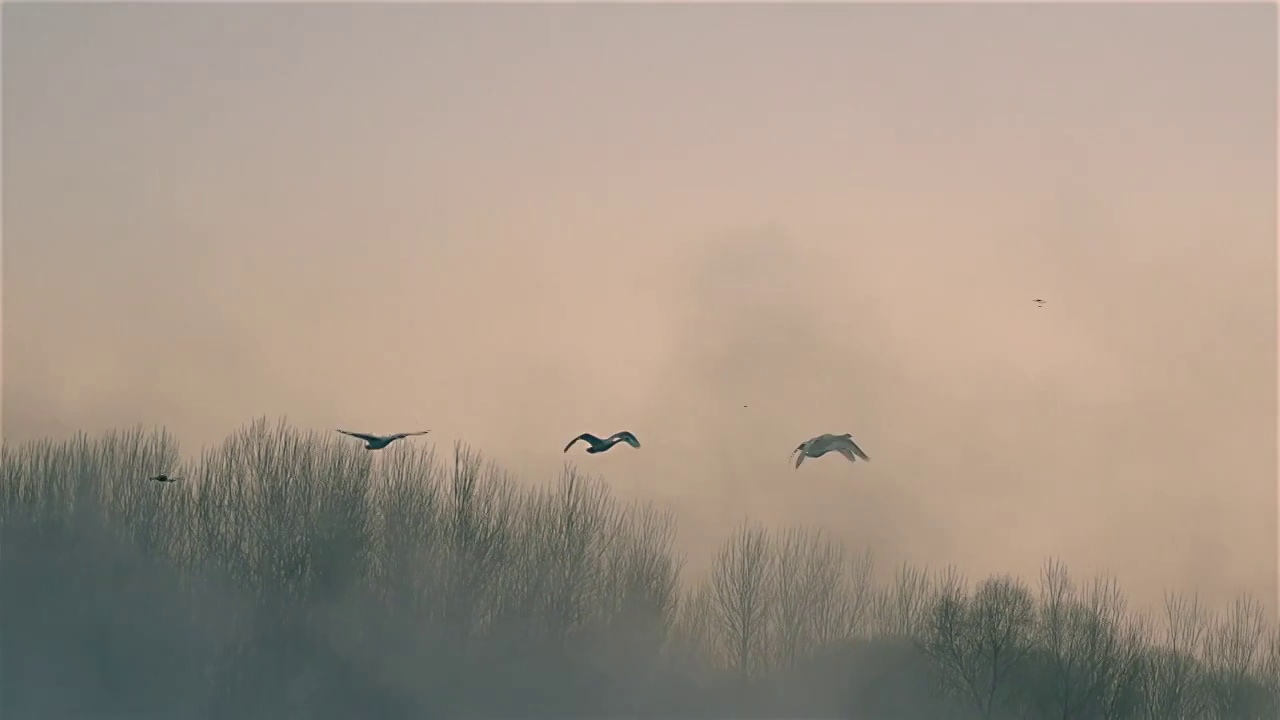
(377,442)
(1038,302)
(164,478)
(599,446)
(823,444)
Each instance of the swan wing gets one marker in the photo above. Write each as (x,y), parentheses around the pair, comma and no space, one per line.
(849,444)
(363,436)
(399,436)
(627,437)
(591,440)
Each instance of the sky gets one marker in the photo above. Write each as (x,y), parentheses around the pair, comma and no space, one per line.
(724,228)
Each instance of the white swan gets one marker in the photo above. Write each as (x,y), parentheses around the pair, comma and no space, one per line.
(823,444)
(377,442)
(599,446)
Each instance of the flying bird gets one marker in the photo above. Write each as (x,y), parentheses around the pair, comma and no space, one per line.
(377,442)
(164,478)
(823,444)
(1038,302)
(599,446)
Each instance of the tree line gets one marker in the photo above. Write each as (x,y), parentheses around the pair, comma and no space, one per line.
(290,574)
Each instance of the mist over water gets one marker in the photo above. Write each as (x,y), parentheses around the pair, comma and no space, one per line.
(725,229)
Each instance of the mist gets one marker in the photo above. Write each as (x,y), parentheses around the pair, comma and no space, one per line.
(725,229)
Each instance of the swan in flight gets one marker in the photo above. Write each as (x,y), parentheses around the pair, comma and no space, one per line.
(164,478)
(599,446)
(377,442)
(823,444)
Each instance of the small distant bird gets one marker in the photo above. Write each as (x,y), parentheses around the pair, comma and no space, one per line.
(1038,302)
(823,444)
(377,442)
(164,478)
(599,446)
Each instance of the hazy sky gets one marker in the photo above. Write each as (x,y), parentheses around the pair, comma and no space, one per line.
(514,224)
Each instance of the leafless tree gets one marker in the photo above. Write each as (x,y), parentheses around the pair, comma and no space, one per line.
(553,585)
(1090,652)
(1236,656)
(901,610)
(1121,691)
(1171,688)
(809,594)
(408,506)
(1270,671)
(641,585)
(695,634)
(643,595)
(740,598)
(860,608)
(979,640)
(296,557)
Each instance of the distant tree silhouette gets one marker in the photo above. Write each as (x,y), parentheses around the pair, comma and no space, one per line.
(979,640)
(740,597)
(292,574)
(1171,679)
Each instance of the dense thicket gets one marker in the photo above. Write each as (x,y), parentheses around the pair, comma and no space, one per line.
(295,575)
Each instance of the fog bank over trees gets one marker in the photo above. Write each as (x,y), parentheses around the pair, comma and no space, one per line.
(294,574)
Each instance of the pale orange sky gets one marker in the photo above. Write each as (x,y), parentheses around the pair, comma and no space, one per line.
(514,224)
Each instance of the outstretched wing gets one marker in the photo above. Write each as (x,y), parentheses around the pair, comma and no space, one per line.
(853,446)
(399,436)
(363,436)
(591,440)
(802,448)
(848,453)
(626,437)
(801,456)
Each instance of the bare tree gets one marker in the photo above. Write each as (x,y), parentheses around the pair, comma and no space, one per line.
(695,634)
(809,594)
(407,497)
(1121,688)
(1089,652)
(947,639)
(901,610)
(860,608)
(641,584)
(568,531)
(286,558)
(1270,671)
(1236,658)
(740,587)
(1171,677)
(979,641)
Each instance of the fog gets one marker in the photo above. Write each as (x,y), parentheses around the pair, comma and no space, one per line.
(726,229)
